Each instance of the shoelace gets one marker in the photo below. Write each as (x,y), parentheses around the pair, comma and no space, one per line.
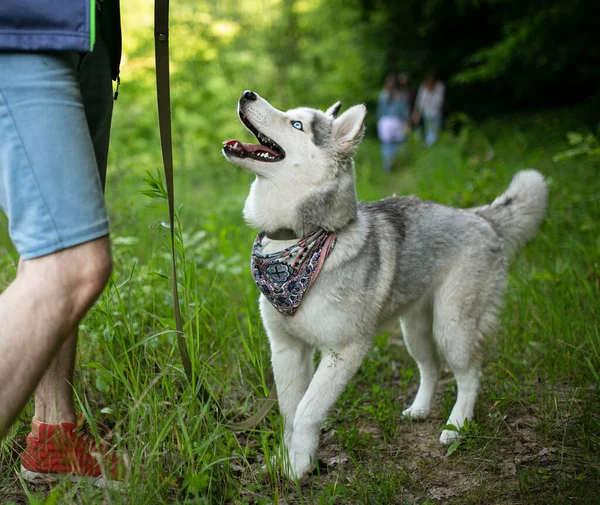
(83,431)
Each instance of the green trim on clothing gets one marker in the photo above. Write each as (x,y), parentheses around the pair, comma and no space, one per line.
(92,24)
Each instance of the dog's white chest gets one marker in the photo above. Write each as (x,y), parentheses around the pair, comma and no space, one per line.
(317,322)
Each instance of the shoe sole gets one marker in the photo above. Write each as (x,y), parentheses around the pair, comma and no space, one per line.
(50,478)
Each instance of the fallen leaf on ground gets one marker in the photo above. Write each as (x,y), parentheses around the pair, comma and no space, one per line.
(337,459)
(509,468)
(440,493)
(519,447)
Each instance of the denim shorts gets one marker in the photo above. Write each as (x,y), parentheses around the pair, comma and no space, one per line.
(55,115)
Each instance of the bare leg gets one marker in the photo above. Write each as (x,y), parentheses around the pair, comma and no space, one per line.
(54,393)
(40,311)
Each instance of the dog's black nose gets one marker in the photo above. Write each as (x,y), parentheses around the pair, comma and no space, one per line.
(249,95)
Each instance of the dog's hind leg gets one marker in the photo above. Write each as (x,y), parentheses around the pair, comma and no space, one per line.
(465,312)
(417,333)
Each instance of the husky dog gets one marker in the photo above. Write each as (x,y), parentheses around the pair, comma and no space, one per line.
(355,266)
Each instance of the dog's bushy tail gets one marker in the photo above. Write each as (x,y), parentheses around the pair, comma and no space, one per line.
(517,213)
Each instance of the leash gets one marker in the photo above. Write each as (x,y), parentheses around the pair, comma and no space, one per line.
(163,96)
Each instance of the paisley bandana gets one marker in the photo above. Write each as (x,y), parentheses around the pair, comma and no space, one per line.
(284,277)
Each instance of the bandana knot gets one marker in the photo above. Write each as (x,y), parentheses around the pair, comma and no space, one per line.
(284,277)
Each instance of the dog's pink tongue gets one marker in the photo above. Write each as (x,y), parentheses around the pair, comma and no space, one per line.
(249,148)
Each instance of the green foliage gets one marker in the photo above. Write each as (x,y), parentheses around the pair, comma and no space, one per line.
(470,437)
(496,55)
(532,38)
(580,145)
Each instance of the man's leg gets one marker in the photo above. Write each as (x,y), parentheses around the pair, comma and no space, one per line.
(39,312)
(52,194)
(54,394)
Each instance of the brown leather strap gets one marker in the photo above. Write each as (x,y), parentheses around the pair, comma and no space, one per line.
(163,95)
(254,421)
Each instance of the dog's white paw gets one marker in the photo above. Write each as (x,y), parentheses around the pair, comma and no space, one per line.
(299,464)
(449,436)
(295,466)
(416,414)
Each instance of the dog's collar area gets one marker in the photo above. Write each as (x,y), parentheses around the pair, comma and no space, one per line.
(284,277)
(282,234)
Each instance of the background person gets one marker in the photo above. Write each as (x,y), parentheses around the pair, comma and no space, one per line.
(429,105)
(57,62)
(393,117)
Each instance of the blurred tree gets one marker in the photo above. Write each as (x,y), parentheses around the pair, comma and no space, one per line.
(282,43)
(496,54)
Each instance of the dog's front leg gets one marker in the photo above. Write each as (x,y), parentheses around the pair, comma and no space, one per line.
(292,367)
(329,382)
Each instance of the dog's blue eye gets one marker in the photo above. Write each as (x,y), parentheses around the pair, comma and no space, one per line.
(297,125)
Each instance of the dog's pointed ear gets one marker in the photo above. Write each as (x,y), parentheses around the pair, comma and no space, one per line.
(334,110)
(349,129)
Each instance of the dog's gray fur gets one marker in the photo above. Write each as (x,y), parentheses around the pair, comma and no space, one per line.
(441,270)
(321,128)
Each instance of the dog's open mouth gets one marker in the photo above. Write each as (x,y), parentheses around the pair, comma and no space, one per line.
(267,150)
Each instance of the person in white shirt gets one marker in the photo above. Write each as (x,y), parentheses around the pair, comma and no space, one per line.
(429,105)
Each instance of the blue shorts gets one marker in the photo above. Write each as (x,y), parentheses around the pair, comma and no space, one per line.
(55,115)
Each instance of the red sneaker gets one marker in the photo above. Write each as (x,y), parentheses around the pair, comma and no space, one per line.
(69,450)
